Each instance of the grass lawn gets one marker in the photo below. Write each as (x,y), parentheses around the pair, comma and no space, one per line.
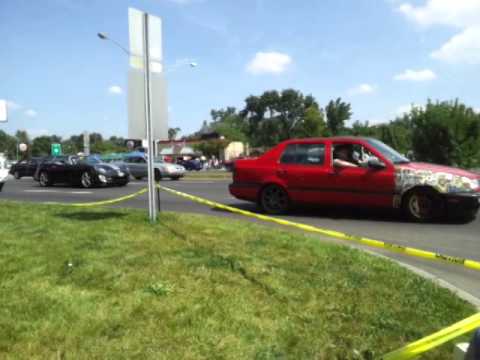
(104,284)
(209,175)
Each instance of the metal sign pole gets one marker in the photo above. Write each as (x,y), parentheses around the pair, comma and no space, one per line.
(152,209)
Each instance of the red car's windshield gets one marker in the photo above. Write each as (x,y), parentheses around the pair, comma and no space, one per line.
(388,152)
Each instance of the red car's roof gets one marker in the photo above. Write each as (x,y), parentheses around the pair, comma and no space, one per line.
(332,138)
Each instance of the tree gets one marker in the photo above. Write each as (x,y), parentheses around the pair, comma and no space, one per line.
(273,117)
(8,144)
(211,148)
(173,132)
(338,112)
(229,124)
(41,145)
(313,123)
(446,133)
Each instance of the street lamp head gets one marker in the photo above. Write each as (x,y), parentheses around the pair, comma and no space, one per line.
(193,64)
(102,36)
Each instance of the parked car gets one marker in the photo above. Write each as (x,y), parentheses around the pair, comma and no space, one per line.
(307,171)
(193,164)
(3,171)
(86,172)
(137,163)
(25,167)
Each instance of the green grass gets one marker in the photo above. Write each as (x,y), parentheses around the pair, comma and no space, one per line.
(104,284)
(209,175)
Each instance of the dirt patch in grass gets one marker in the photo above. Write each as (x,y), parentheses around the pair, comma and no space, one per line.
(101,284)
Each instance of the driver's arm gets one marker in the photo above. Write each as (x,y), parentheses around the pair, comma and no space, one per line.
(343,163)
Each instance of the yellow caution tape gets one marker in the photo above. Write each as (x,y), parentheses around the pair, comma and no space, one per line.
(418,347)
(104,202)
(472,264)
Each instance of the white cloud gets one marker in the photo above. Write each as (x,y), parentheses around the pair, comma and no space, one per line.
(464,14)
(12,105)
(30,113)
(269,62)
(115,89)
(459,13)
(416,75)
(362,89)
(462,48)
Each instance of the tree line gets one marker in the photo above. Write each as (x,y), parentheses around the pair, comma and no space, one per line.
(40,145)
(442,132)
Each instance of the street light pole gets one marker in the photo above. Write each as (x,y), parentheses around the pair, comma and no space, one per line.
(152,208)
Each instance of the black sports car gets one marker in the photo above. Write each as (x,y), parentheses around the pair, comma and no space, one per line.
(86,172)
(25,167)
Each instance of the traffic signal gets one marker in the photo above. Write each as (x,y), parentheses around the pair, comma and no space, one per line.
(56,149)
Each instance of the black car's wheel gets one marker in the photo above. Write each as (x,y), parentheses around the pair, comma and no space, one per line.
(175,178)
(86,180)
(44,179)
(158,175)
(422,205)
(17,175)
(274,200)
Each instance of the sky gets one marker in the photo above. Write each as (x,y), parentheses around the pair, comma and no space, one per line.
(382,56)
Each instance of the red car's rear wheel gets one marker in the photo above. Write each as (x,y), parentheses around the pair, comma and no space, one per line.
(274,200)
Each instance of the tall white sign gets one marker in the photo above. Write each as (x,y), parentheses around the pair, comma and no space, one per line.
(3,110)
(136,84)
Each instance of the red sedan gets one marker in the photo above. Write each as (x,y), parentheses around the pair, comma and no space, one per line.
(354,171)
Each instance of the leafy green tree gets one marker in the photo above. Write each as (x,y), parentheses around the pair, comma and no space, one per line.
(173,132)
(211,148)
(446,133)
(276,116)
(313,123)
(8,144)
(229,124)
(41,145)
(338,112)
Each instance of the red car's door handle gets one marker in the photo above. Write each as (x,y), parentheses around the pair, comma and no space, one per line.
(281,172)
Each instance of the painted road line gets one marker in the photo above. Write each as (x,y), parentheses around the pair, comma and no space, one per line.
(41,191)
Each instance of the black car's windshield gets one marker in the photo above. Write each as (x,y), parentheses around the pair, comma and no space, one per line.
(388,152)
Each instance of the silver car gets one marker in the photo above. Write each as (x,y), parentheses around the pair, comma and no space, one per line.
(138,168)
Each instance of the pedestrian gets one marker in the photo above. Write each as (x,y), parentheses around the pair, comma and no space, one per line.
(473,352)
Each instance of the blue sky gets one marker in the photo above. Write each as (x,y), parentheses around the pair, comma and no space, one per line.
(380,55)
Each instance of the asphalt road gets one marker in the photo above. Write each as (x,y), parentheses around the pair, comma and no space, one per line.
(456,239)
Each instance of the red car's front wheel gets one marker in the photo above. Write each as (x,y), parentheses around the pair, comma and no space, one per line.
(274,200)
(423,205)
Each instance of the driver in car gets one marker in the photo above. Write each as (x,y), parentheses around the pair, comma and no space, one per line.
(343,156)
